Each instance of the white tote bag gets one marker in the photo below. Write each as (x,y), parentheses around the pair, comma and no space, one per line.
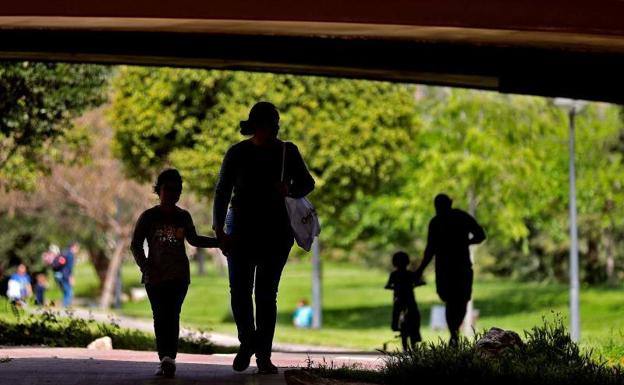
(303,218)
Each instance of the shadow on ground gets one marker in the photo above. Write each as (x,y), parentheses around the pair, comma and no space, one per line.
(21,371)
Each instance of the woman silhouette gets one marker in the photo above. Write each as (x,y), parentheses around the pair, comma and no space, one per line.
(258,237)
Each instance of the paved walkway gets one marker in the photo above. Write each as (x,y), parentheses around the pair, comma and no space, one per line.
(69,366)
(217,338)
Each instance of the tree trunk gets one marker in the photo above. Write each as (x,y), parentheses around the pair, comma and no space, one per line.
(219,260)
(111,275)
(468,324)
(100,262)
(200,255)
(592,264)
(610,264)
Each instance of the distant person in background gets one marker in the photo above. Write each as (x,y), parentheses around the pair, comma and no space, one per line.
(405,313)
(48,256)
(40,286)
(166,270)
(303,316)
(451,232)
(63,266)
(19,287)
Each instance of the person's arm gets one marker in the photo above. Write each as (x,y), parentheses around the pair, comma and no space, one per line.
(301,182)
(477,232)
(138,237)
(429,251)
(29,289)
(427,258)
(193,238)
(223,193)
(390,284)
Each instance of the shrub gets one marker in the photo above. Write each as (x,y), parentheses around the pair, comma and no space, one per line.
(549,357)
(53,329)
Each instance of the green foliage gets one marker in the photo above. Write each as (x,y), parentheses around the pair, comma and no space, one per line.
(28,234)
(506,159)
(57,330)
(37,104)
(549,356)
(23,240)
(380,152)
(352,134)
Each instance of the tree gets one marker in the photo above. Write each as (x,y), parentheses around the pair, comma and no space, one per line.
(504,158)
(352,133)
(90,201)
(37,104)
(380,152)
(101,193)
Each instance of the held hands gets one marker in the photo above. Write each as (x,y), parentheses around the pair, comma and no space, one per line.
(225,241)
(419,281)
(418,278)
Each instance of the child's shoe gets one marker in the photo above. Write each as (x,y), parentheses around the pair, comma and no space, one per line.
(167,367)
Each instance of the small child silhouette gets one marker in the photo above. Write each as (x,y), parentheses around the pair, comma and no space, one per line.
(405,313)
(165,270)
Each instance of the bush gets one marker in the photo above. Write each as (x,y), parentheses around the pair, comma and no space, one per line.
(53,329)
(549,357)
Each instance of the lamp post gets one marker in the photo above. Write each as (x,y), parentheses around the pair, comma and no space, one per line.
(573,107)
(317,294)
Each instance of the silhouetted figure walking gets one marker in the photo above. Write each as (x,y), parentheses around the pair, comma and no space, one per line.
(259,236)
(405,313)
(451,232)
(166,272)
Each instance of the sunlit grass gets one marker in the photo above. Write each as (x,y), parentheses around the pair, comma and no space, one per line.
(357,308)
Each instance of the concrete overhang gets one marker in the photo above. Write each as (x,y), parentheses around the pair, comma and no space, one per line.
(551,48)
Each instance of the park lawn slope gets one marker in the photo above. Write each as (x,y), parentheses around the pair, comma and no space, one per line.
(357,309)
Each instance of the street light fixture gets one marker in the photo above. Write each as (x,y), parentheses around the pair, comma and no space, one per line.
(573,107)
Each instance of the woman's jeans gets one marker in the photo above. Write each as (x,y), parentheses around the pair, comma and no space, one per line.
(66,288)
(257,264)
(166,299)
(39,294)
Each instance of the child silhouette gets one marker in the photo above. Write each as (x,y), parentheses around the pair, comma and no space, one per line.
(405,313)
(166,273)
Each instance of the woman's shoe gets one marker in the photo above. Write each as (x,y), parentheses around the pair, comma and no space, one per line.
(265,366)
(242,359)
(167,367)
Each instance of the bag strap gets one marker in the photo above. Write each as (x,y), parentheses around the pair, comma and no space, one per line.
(283,160)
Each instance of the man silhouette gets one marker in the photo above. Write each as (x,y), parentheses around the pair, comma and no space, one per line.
(451,232)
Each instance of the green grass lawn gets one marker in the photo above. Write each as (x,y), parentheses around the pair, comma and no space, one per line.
(357,308)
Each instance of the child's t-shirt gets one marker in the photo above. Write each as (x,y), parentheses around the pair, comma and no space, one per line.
(18,286)
(402,282)
(165,234)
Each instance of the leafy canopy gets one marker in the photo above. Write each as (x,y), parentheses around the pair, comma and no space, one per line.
(352,134)
(37,104)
